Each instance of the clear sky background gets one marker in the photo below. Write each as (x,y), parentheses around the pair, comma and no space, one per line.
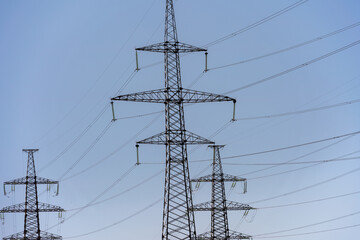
(61,61)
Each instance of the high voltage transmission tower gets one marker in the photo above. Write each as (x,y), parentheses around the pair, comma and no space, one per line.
(218,204)
(178,216)
(31,207)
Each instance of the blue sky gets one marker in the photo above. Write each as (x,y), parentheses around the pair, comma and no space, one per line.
(61,61)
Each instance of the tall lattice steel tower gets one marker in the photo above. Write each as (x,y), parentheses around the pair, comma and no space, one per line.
(218,204)
(178,217)
(31,207)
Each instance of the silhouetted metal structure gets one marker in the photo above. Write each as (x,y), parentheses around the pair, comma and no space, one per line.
(219,205)
(178,217)
(31,207)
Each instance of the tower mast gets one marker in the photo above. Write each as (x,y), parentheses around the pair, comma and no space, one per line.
(178,216)
(218,206)
(32,206)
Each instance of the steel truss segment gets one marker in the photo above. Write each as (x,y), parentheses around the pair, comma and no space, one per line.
(237,235)
(232,235)
(42,207)
(171,47)
(30,179)
(226,178)
(173,96)
(43,236)
(230,205)
(175,139)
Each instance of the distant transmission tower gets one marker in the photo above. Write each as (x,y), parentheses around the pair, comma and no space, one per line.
(178,217)
(31,207)
(218,204)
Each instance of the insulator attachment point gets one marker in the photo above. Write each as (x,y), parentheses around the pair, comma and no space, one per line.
(113,112)
(233,118)
(206,67)
(137,62)
(137,154)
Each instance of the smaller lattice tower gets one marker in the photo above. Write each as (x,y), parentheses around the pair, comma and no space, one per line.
(218,204)
(32,207)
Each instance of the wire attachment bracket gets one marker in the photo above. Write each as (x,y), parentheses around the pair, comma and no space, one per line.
(113,111)
(137,154)
(137,61)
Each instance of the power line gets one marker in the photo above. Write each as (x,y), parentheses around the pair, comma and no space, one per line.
(294,163)
(295,68)
(307,187)
(100,195)
(310,225)
(284,148)
(289,48)
(300,111)
(315,232)
(101,74)
(119,194)
(92,145)
(293,146)
(311,201)
(294,170)
(249,27)
(116,150)
(302,156)
(68,147)
(130,216)
(253,25)
(118,222)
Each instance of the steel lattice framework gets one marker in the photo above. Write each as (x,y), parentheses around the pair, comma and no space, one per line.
(178,216)
(31,207)
(219,205)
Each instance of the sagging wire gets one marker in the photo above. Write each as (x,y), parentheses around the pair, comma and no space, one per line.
(300,112)
(294,163)
(92,145)
(196,79)
(118,222)
(294,146)
(310,201)
(254,212)
(253,25)
(295,68)
(307,187)
(284,148)
(314,232)
(289,48)
(121,193)
(67,148)
(309,225)
(117,149)
(117,181)
(303,156)
(288,171)
(104,71)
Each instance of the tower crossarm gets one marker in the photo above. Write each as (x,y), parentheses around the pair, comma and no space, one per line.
(42,207)
(175,139)
(173,96)
(237,206)
(31,179)
(232,235)
(43,236)
(230,205)
(224,178)
(237,235)
(171,47)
